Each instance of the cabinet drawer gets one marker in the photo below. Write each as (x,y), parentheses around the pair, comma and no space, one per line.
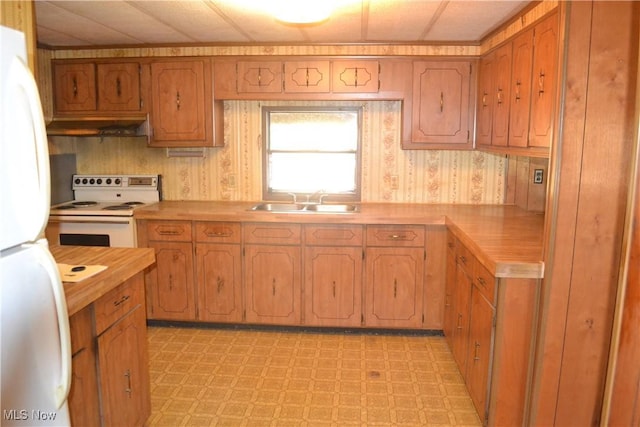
(175,231)
(485,282)
(333,235)
(283,234)
(465,258)
(395,235)
(218,232)
(118,302)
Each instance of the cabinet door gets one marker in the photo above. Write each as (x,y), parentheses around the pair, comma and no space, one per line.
(520,90)
(119,87)
(480,336)
(393,287)
(485,96)
(333,286)
(74,87)
(502,86)
(84,403)
(355,76)
(449,307)
(306,76)
(124,372)
(441,102)
(182,102)
(219,272)
(461,331)
(543,95)
(170,286)
(273,283)
(259,77)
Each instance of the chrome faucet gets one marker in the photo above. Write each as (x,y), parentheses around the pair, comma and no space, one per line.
(320,194)
(294,197)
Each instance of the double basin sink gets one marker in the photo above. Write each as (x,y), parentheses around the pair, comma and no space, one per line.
(304,207)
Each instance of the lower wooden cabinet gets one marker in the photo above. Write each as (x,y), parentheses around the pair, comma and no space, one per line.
(272,268)
(170,285)
(124,371)
(333,275)
(272,280)
(489,329)
(110,378)
(84,401)
(481,315)
(394,276)
(461,302)
(448,322)
(219,282)
(218,271)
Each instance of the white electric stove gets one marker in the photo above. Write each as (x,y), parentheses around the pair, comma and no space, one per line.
(101,213)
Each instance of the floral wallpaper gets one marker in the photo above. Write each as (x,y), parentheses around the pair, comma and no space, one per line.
(234,172)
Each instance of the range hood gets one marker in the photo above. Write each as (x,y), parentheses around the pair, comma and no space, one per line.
(130,125)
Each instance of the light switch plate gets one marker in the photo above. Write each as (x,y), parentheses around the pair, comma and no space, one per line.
(538,176)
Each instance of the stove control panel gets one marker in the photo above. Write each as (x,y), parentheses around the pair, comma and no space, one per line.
(114,181)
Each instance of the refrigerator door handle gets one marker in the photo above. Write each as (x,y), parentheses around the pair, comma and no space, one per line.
(49,264)
(28,84)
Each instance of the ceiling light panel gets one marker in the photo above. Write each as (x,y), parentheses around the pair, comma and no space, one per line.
(404,21)
(195,19)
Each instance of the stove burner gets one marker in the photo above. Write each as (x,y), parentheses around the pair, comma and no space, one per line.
(84,203)
(67,207)
(122,207)
(134,203)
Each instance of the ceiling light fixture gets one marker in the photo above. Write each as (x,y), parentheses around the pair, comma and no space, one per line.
(302,12)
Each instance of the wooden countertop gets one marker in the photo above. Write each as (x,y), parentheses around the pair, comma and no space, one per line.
(122,264)
(507,240)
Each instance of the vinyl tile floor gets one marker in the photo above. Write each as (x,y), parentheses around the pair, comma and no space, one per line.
(229,377)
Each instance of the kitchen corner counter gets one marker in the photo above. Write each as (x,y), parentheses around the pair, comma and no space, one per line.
(122,264)
(507,240)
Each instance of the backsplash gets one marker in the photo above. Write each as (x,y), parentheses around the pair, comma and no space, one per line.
(234,171)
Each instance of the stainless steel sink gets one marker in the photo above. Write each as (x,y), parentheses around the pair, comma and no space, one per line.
(332,208)
(279,207)
(302,207)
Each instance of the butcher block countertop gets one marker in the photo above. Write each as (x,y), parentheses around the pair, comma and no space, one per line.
(122,264)
(507,240)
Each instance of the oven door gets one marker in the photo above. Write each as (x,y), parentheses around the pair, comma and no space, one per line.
(113,231)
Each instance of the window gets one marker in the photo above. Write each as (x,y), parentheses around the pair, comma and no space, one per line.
(310,150)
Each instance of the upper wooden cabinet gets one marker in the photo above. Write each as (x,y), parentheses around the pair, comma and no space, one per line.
(544,80)
(259,76)
(521,90)
(305,79)
(355,76)
(441,112)
(182,112)
(307,76)
(96,87)
(516,92)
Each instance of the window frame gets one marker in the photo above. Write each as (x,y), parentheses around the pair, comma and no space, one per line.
(269,195)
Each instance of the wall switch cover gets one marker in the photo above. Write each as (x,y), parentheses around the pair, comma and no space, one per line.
(538,176)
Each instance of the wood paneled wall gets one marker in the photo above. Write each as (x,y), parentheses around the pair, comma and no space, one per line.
(586,208)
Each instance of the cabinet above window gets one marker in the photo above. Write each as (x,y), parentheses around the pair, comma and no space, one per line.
(312,78)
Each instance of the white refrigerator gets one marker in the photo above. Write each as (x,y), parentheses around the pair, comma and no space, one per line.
(35,369)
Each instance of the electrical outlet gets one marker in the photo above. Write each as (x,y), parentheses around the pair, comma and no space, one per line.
(394,182)
(538,176)
(231,181)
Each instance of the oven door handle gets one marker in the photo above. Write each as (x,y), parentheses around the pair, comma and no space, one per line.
(80,221)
